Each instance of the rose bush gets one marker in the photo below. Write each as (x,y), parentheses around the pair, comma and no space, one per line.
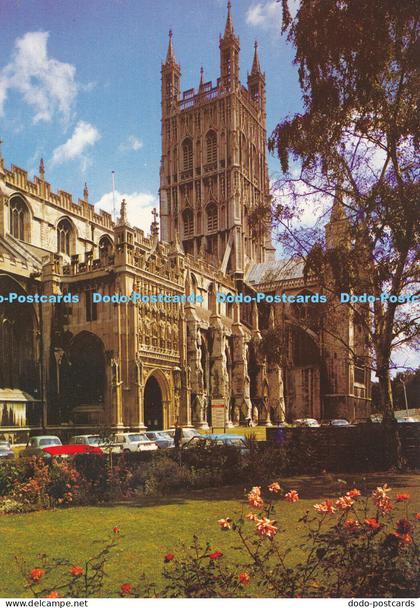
(354,546)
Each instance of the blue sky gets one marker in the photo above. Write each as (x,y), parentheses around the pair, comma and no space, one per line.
(80,84)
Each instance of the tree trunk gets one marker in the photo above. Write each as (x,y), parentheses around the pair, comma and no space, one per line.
(390,425)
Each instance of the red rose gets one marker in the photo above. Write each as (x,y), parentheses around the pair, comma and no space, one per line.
(169,557)
(76,570)
(37,574)
(402,497)
(372,523)
(215,555)
(244,578)
(116,530)
(126,588)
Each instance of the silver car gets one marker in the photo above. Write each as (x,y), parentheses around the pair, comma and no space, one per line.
(186,434)
(36,445)
(162,439)
(6,450)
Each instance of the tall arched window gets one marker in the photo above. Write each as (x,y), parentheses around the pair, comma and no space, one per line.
(106,246)
(64,234)
(211,146)
(18,218)
(188,218)
(212,219)
(187,155)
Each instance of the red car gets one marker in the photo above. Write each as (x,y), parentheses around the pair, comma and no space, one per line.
(71,450)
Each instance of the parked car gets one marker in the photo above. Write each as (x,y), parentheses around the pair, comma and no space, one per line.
(36,445)
(339,422)
(6,450)
(132,442)
(106,444)
(162,439)
(87,440)
(187,434)
(308,422)
(219,439)
(400,419)
(66,451)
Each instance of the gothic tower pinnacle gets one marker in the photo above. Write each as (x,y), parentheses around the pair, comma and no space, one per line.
(229,54)
(256,62)
(256,80)
(171,75)
(170,55)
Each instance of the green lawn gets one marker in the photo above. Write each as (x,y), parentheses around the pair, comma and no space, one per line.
(152,527)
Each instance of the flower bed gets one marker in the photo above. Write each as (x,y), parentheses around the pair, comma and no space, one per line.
(354,546)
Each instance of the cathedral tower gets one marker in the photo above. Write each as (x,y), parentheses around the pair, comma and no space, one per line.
(213,167)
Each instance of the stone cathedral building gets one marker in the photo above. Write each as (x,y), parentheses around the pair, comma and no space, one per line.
(70,362)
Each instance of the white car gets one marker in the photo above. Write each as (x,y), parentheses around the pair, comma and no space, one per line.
(133,442)
(87,440)
(36,445)
(308,422)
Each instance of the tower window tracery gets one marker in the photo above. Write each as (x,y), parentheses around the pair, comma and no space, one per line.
(188,223)
(212,218)
(187,154)
(211,145)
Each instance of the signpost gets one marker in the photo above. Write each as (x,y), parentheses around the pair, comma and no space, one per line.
(218,413)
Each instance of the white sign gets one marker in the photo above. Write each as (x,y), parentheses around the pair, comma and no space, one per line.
(217,413)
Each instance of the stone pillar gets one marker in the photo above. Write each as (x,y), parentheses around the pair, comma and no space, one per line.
(138,422)
(194,354)
(276,401)
(50,278)
(219,379)
(242,407)
(116,405)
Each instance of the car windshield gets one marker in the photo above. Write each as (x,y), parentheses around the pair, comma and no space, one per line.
(339,422)
(162,435)
(191,433)
(234,441)
(50,441)
(94,439)
(137,437)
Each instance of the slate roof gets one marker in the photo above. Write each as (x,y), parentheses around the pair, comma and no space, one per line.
(278,270)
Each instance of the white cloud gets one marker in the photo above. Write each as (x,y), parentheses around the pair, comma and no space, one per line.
(265,15)
(84,135)
(268,15)
(46,84)
(132,143)
(139,207)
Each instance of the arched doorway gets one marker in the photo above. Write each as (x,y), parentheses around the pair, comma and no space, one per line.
(153,405)
(83,380)
(303,373)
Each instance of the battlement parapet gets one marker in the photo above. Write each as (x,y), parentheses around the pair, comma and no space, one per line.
(18,178)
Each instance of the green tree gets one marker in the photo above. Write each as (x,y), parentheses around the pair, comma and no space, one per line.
(355,143)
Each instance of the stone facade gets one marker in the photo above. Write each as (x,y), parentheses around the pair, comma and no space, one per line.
(134,365)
